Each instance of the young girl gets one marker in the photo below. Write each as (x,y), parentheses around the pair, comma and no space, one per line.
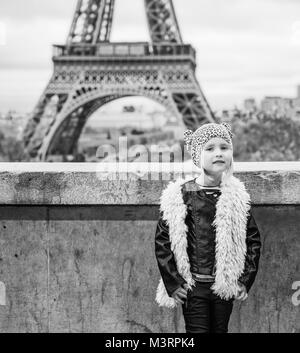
(207,243)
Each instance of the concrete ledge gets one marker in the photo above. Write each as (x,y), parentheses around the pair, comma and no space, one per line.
(269,183)
(77,247)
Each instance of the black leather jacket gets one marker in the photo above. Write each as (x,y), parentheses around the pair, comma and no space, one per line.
(201,208)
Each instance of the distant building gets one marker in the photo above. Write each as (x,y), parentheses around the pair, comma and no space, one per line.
(277,105)
(281,106)
(129,109)
(250,105)
(226,116)
(12,124)
(297,103)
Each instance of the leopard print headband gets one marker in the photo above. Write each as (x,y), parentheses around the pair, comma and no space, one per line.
(195,141)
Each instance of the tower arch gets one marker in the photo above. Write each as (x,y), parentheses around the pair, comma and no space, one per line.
(64,135)
(89,70)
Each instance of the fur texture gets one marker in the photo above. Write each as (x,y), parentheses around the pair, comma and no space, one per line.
(230,223)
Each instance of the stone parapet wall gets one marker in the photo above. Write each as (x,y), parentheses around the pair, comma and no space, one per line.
(77,248)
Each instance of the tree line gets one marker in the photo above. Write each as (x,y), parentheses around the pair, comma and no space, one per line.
(257,137)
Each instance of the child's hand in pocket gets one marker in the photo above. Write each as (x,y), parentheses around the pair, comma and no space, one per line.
(180,294)
(242,293)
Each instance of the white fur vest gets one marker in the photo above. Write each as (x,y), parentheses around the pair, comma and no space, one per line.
(230,223)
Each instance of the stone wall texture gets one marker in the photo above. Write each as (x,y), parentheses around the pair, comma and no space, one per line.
(77,250)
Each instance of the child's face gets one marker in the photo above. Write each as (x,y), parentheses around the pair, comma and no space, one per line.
(216,149)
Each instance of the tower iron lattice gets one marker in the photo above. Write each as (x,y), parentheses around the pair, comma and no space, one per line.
(90,71)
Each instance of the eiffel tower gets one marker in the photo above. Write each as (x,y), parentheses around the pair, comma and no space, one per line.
(90,71)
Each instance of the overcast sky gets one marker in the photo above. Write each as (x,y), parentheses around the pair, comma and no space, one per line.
(245,48)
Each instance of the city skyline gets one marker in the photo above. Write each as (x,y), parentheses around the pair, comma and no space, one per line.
(245,48)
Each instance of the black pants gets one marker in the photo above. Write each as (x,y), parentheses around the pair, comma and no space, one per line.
(205,312)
